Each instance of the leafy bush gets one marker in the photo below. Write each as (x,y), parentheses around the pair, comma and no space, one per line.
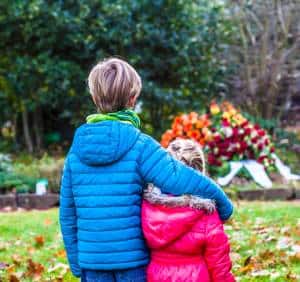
(177,55)
(46,167)
(10,180)
(22,173)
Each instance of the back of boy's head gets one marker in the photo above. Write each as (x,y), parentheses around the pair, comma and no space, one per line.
(112,84)
(189,152)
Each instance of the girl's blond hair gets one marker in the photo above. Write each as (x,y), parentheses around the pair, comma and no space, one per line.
(189,152)
(112,83)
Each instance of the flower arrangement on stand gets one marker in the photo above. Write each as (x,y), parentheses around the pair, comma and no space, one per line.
(225,134)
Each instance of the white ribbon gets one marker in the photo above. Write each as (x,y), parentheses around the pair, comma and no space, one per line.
(255,169)
(284,170)
(257,172)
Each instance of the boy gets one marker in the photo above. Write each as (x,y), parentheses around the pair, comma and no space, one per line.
(108,165)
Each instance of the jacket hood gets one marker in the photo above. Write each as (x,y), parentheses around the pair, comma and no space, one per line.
(164,225)
(103,142)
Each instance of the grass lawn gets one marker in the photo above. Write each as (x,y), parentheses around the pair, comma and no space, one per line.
(265,239)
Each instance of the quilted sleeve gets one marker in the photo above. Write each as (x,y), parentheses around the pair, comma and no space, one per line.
(171,176)
(68,223)
(217,251)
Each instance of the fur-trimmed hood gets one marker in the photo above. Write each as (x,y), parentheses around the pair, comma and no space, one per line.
(154,196)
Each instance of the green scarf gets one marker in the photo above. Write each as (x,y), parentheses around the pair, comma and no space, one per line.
(127,116)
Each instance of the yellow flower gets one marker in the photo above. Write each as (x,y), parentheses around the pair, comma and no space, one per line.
(214,109)
(226,115)
(233,111)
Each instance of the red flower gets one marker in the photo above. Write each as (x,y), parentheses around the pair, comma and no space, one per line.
(217,138)
(225,144)
(235,131)
(251,155)
(260,146)
(261,159)
(211,159)
(243,145)
(256,126)
(247,131)
(272,150)
(261,132)
(245,123)
(228,155)
(225,122)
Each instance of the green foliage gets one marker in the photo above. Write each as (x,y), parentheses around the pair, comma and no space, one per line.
(48,47)
(21,183)
(45,167)
(9,179)
(219,171)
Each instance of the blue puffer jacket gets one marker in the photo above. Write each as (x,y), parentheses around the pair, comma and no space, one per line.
(106,169)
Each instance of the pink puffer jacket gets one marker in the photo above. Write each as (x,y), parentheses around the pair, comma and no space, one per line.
(186,245)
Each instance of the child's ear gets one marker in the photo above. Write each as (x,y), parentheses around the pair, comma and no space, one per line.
(132,101)
(94,100)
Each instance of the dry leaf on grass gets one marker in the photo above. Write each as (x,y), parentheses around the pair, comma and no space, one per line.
(13,278)
(39,240)
(34,269)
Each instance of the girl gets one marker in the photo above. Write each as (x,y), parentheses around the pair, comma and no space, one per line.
(185,234)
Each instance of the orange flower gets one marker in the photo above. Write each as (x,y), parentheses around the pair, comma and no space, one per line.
(178,119)
(202,141)
(194,134)
(177,126)
(200,124)
(187,127)
(193,117)
(166,138)
(208,137)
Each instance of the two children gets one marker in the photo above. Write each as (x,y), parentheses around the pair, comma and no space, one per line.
(185,234)
(106,170)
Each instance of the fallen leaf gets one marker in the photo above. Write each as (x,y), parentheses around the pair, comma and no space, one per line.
(13,278)
(34,269)
(39,240)
(252,241)
(31,250)
(247,260)
(292,277)
(47,222)
(267,255)
(61,253)
(11,269)
(16,259)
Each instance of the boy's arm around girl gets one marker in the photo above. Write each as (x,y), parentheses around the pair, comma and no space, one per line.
(173,177)
(155,166)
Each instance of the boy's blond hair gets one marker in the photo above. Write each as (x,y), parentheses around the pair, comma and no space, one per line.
(189,152)
(112,84)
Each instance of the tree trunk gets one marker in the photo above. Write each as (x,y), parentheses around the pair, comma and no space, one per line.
(38,128)
(15,128)
(26,131)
